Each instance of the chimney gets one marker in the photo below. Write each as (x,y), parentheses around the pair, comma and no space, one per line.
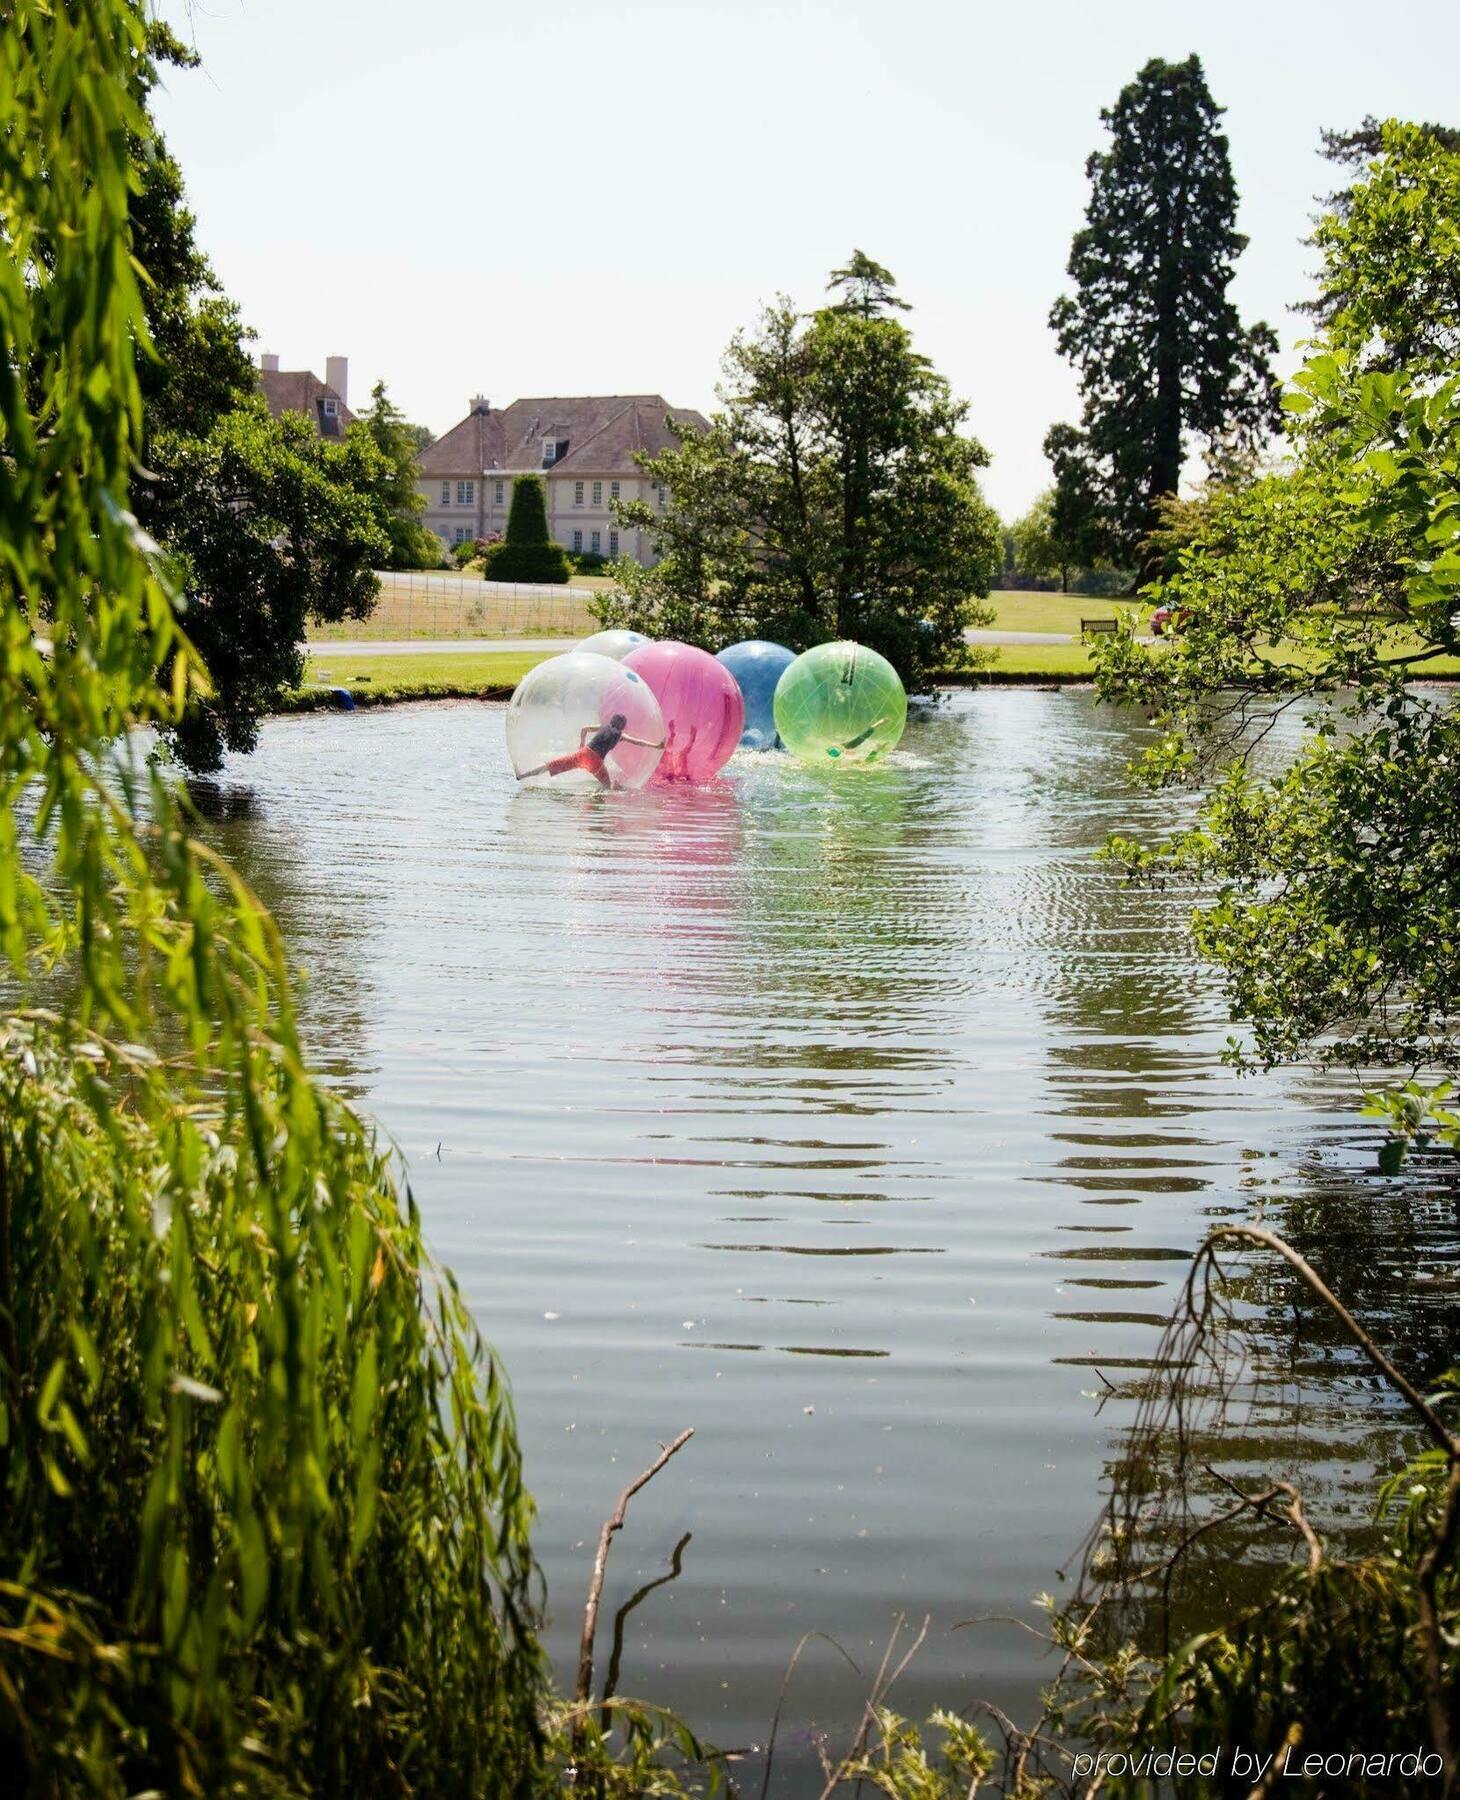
(480,403)
(337,376)
(269,363)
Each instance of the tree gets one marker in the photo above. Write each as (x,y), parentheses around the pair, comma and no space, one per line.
(198,368)
(266,528)
(412,545)
(1161,352)
(866,287)
(269,526)
(527,553)
(1077,523)
(1403,215)
(1331,587)
(262,1521)
(1036,555)
(834,495)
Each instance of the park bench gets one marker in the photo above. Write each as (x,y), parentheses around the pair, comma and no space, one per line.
(1099,627)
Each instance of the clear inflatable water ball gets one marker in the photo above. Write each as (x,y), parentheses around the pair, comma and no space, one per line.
(584,722)
(757,666)
(840,703)
(616,644)
(701,706)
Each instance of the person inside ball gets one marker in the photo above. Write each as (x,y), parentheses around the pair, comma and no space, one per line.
(857,742)
(595,744)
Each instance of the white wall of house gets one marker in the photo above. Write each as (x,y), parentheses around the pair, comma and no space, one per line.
(578,510)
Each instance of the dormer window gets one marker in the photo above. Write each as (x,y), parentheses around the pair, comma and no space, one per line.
(549,452)
(331,408)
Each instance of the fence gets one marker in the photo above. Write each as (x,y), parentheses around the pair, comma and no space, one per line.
(418,603)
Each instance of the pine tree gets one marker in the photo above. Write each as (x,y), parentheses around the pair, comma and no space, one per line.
(1161,352)
(866,286)
(527,553)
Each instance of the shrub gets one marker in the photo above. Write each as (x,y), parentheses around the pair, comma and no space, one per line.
(527,553)
(414,546)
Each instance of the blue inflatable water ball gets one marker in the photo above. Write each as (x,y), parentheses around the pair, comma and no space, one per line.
(757,666)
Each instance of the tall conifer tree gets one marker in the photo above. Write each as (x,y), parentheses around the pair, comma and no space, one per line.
(1162,354)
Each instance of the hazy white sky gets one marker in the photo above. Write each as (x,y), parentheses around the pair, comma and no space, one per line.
(578,197)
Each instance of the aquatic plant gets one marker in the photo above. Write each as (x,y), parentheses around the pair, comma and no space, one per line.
(262,1521)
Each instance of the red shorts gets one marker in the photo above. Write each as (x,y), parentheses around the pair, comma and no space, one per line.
(579,759)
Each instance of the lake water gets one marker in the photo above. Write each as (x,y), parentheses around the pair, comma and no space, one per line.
(864,1123)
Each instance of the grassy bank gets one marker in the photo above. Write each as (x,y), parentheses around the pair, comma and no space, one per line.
(492,674)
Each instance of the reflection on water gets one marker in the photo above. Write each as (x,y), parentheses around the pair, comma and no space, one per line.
(877,1093)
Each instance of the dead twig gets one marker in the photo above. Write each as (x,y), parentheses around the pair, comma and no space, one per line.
(770,1749)
(614,1522)
(881,1687)
(1294,1512)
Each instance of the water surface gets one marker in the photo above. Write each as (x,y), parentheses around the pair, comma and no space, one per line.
(864,1123)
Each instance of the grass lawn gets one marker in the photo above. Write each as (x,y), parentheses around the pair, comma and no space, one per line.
(1052,612)
(424,676)
(1025,662)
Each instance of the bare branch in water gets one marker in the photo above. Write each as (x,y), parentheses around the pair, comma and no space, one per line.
(614,1522)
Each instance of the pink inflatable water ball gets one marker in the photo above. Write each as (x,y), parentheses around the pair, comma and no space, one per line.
(584,722)
(701,704)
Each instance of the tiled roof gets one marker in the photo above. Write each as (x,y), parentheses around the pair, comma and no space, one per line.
(297,390)
(602,434)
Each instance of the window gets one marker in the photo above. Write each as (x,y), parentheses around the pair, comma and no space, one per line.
(466,492)
(446,493)
(577,493)
(613,490)
(613,543)
(659,494)
(597,544)
(598,493)
(578,540)
(549,452)
(331,408)
(460,534)
(497,497)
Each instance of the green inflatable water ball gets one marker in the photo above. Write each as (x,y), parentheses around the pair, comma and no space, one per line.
(840,703)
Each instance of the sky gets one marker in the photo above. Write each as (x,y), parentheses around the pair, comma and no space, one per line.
(591,196)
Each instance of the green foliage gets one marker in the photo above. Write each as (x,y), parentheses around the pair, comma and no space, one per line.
(262,1525)
(527,553)
(399,502)
(1161,352)
(1078,531)
(1049,546)
(271,525)
(1402,217)
(1331,587)
(268,529)
(866,287)
(199,367)
(834,495)
(1353,150)
(899,1765)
